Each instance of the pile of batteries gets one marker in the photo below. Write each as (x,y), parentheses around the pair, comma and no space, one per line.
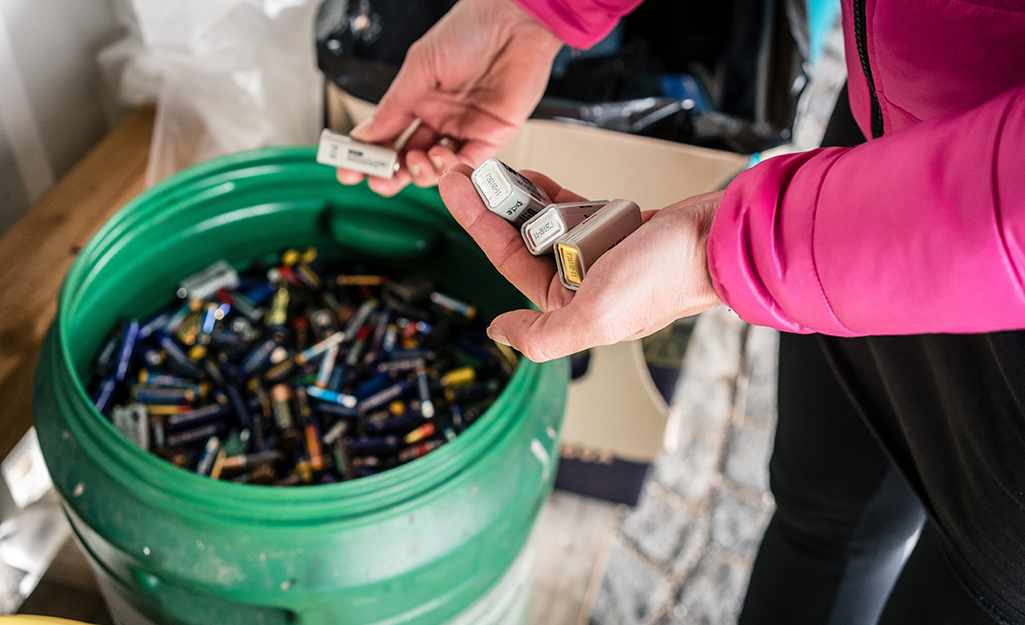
(578,232)
(298,372)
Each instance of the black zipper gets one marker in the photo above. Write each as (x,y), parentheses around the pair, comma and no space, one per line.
(861,39)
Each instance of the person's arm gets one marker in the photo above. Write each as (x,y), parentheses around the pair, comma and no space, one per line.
(920,231)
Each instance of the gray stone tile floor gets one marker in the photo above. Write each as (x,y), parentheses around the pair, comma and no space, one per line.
(682,556)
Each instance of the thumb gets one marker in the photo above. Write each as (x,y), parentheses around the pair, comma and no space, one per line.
(544,336)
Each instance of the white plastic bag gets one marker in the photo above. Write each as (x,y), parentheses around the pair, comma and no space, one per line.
(225,75)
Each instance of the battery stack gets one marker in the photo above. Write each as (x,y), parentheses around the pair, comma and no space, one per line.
(297,371)
(577,232)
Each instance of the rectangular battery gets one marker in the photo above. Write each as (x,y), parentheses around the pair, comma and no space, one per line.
(578,250)
(338,150)
(542,230)
(507,192)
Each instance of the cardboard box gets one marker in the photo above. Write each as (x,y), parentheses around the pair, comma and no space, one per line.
(615,417)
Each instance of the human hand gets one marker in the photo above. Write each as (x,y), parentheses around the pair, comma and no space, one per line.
(656,275)
(474,77)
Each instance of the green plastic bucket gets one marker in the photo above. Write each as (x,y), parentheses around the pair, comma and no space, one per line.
(433,541)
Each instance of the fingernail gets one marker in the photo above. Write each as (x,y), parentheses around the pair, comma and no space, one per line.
(362,127)
(497,335)
(414,170)
(437,162)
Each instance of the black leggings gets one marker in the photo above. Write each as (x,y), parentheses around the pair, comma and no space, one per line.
(833,553)
(834,549)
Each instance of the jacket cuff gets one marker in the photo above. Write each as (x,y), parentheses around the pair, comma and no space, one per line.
(760,256)
(578,24)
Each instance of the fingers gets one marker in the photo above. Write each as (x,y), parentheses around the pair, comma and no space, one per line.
(538,336)
(426,167)
(543,336)
(347,176)
(423,167)
(499,239)
(426,159)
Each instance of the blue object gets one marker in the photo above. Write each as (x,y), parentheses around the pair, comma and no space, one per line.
(822,15)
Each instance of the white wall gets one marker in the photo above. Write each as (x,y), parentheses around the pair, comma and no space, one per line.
(53,106)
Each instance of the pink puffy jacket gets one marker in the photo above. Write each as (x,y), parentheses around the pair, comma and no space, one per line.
(920,230)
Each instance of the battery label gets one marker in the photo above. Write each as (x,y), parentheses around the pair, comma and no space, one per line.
(494,185)
(570,257)
(359,156)
(339,150)
(541,231)
(524,215)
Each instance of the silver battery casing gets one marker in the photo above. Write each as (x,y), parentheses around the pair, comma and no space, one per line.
(204,284)
(508,193)
(578,250)
(338,150)
(542,230)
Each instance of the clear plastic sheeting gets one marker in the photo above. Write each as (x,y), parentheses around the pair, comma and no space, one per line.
(33,527)
(225,75)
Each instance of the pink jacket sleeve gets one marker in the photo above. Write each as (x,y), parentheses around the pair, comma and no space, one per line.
(580,24)
(920,231)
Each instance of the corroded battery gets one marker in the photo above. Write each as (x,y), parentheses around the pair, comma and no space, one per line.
(578,250)
(340,150)
(507,192)
(542,230)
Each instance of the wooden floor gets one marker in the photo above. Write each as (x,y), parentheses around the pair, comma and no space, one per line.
(572,539)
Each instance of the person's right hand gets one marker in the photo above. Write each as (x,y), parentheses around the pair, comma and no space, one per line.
(475,77)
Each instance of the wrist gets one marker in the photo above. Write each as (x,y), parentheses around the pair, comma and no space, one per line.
(578,23)
(524,24)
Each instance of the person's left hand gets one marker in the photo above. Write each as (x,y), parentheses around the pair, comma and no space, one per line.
(656,275)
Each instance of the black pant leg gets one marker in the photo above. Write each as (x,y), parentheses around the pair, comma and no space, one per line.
(931,592)
(836,541)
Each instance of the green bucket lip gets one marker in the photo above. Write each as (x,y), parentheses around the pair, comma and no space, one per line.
(307,504)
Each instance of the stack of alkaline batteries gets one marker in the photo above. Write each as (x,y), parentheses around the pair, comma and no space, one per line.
(296,372)
(578,232)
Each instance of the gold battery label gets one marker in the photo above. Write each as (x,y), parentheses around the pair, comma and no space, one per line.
(571,269)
